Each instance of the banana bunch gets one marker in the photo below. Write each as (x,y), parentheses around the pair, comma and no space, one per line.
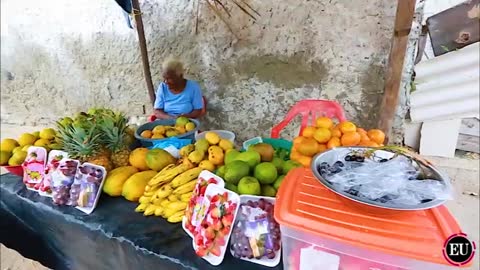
(167,193)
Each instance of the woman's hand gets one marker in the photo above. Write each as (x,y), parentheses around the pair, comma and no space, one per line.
(160,114)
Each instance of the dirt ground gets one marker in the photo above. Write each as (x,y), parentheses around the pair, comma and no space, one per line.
(463,171)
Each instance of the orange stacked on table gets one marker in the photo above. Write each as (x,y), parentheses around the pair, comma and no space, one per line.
(326,135)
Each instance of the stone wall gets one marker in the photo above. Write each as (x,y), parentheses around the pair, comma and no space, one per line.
(66,56)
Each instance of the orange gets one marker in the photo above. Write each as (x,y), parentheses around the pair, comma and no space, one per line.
(305,161)
(368,143)
(347,126)
(294,154)
(322,148)
(308,132)
(361,131)
(334,142)
(336,132)
(308,147)
(146,134)
(324,122)
(376,135)
(350,138)
(364,136)
(298,140)
(322,135)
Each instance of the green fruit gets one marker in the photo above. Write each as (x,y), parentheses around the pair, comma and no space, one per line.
(251,157)
(182,121)
(231,156)
(249,185)
(235,171)
(220,171)
(4,157)
(278,182)
(66,121)
(202,145)
(266,173)
(265,150)
(289,165)
(157,159)
(269,191)
(278,162)
(231,187)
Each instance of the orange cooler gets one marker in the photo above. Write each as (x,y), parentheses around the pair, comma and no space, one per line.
(323,231)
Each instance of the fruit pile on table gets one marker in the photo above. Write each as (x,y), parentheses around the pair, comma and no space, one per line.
(326,134)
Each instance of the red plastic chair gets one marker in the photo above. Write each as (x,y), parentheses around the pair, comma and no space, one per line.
(152,117)
(310,109)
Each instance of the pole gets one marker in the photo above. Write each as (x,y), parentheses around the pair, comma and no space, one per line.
(403,24)
(143,49)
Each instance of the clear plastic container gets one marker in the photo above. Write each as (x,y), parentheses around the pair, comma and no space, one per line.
(320,231)
(224,134)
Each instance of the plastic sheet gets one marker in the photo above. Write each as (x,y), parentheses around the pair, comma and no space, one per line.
(112,237)
(391,182)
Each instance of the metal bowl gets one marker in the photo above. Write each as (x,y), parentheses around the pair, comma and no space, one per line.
(339,153)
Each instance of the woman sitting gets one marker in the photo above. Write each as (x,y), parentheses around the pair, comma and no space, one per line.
(177,96)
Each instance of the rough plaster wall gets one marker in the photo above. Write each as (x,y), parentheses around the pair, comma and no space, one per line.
(78,54)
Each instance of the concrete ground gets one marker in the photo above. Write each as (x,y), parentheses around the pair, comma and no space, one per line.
(464,173)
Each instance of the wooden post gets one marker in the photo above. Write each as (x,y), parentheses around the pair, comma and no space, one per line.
(393,78)
(143,49)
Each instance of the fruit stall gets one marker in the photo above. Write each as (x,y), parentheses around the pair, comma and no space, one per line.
(95,192)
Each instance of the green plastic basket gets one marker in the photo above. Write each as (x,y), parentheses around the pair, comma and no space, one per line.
(276,143)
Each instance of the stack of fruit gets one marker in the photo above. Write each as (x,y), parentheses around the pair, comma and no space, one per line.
(14,152)
(182,126)
(256,171)
(168,192)
(100,136)
(326,135)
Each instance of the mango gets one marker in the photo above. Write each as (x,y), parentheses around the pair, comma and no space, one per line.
(202,145)
(215,155)
(251,157)
(212,137)
(157,159)
(231,156)
(113,185)
(265,150)
(196,156)
(226,144)
(135,185)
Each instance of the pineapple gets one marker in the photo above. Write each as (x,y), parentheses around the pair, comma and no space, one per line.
(115,137)
(83,144)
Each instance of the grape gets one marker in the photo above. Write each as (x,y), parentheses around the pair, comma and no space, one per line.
(261,204)
(255,204)
(271,255)
(276,246)
(250,203)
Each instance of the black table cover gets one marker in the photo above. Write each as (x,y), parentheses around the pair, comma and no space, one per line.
(112,237)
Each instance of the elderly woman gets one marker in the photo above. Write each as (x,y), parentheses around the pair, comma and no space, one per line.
(177,96)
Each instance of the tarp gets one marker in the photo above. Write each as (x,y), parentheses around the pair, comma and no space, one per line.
(126,5)
(112,237)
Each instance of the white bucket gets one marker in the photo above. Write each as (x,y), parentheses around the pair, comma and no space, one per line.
(224,134)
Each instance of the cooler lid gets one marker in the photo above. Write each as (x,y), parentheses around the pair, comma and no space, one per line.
(304,204)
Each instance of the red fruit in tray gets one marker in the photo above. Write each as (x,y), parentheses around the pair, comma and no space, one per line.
(190,227)
(220,241)
(201,252)
(209,233)
(202,190)
(216,213)
(212,181)
(214,198)
(225,230)
(227,220)
(198,240)
(216,251)
(217,225)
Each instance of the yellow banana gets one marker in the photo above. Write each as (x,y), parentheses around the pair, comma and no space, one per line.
(186,176)
(173,198)
(165,176)
(186,197)
(144,199)
(163,192)
(185,188)
(159,211)
(164,203)
(169,212)
(178,206)
(177,217)
(150,210)
(141,207)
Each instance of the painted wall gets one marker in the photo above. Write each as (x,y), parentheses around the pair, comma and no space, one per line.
(64,56)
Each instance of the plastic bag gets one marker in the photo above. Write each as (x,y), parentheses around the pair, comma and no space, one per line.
(392,182)
(176,142)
